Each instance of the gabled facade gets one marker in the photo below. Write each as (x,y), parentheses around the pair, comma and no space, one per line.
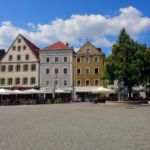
(19,68)
(56,66)
(88,66)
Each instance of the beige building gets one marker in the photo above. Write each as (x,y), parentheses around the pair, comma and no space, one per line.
(19,68)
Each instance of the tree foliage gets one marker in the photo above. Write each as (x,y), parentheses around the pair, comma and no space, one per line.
(129,62)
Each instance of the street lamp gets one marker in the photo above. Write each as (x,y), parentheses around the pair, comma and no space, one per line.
(54,88)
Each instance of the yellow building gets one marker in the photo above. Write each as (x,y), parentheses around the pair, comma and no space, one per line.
(88,66)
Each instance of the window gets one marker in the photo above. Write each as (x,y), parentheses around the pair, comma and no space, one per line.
(24,47)
(56,59)
(25,81)
(32,81)
(96,59)
(47,82)
(96,70)
(87,71)
(26,57)
(14,48)
(47,59)
(96,82)
(10,80)
(19,48)
(88,51)
(2,81)
(87,82)
(3,68)
(65,70)
(56,82)
(78,59)
(18,68)
(19,40)
(33,67)
(56,70)
(78,71)
(47,71)
(78,83)
(18,57)
(25,68)
(65,59)
(65,82)
(17,81)
(87,59)
(10,68)
(10,57)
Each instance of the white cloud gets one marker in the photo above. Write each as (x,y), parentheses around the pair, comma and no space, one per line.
(79,28)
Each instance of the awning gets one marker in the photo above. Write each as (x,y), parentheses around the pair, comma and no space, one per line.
(102,90)
(85,88)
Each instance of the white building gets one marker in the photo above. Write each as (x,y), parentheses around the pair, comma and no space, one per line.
(56,66)
(19,68)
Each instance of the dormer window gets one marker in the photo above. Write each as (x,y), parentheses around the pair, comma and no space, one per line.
(19,40)
(88,51)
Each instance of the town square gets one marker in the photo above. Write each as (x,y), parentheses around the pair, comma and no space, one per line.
(74,75)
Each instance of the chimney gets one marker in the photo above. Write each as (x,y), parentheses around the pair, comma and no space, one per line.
(67,44)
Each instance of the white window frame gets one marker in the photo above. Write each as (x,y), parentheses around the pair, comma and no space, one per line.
(77,83)
(77,59)
(54,71)
(98,82)
(16,80)
(56,85)
(94,70)
(63,71)
(77,72)
(64,59)
(94,59)
(46,83)
(88,59)
(87,80)
(55,59)
(31,80)
(46,60)
(46,70)
(66,82)
(8,81)
(23,81)
(88,69)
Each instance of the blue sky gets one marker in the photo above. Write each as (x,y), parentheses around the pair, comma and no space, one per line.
(45,22)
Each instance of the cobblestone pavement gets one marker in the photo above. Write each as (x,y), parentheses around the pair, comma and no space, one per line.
(74,127)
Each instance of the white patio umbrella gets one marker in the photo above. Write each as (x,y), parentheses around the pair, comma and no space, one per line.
(59,90)
(102,90)
(30,91)
(5,92)
(17,92)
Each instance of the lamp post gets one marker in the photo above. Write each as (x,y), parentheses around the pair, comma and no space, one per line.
(54,88)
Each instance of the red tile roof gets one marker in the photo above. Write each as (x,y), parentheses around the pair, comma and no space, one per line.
(58,46)
(33,47)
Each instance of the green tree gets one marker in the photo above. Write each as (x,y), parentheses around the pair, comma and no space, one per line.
(129,62)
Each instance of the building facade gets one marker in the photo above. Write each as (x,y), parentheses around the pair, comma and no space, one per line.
(88,66)
(56,66)
(19,68)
